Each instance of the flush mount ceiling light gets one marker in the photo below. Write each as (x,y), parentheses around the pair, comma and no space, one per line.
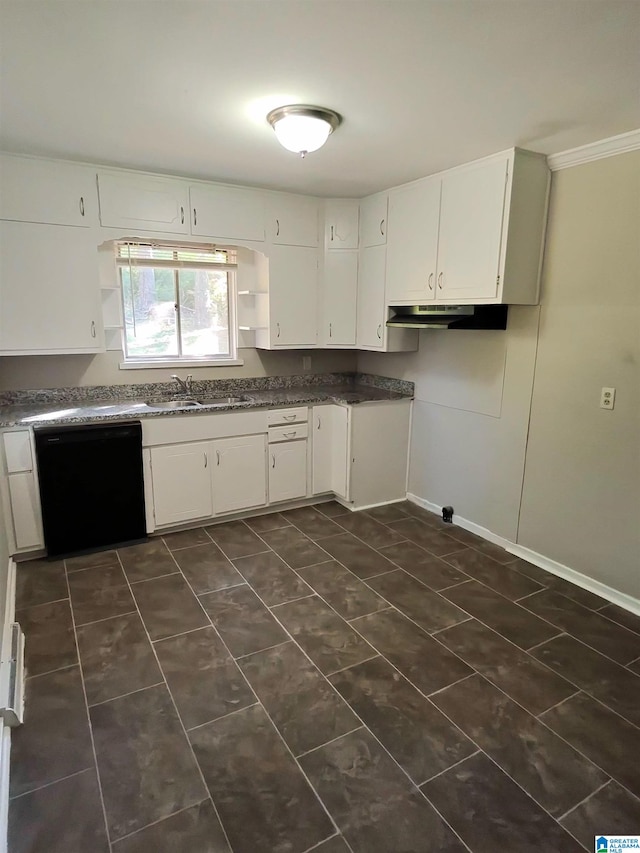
(301,128)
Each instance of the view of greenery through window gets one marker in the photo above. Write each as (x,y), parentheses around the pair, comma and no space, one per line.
(175,312)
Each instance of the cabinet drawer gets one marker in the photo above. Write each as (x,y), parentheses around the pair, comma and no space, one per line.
(287,433)
(17,449)
(288,416)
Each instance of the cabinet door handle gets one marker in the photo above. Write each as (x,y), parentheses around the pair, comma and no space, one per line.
(277,227)
(430,281)
(81,206)
(182,215)
(318,427)
(382,227)
(379,332)
(332,233)
(330,330)
(93,328)
(273,460)
(195,216)
(218,457)
(206,461)
(440,281)
(278,328)
(289,417)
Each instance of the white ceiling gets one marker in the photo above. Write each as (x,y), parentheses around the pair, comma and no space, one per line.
(182,87)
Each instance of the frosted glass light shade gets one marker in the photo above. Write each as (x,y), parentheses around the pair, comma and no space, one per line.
(301,128)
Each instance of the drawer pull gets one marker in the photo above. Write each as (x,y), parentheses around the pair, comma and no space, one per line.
(290,434)
(289,417)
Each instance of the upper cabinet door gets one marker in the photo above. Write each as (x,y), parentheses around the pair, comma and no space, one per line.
(339,298)
(373,220)
(143,203)
(412,242)
(371,330)
(231,213)
(293,296)
(47,192)
(471,222)
(49,297)
(341,217)
(293,220)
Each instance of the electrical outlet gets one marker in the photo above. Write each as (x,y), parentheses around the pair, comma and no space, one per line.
(306,362)
(607,398)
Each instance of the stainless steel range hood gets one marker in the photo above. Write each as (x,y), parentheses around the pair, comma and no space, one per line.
(448,317)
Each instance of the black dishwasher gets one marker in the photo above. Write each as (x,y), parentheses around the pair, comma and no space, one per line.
(91,486)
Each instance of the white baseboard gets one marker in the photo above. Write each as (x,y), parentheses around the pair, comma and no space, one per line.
(628,602)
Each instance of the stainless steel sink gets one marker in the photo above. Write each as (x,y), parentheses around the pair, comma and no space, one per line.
(223,401)
(173,404)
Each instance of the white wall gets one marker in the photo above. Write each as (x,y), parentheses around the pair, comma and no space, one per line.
(577,500)
(46,371)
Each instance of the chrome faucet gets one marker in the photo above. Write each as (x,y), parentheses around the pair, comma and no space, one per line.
(184,385)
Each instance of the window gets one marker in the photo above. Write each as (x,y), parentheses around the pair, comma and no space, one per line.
(178,301)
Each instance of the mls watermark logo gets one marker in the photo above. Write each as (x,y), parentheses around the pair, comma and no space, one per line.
(617,843)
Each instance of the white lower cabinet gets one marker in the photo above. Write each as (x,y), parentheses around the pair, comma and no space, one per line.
(287,471)
(181,483)
(239,473)
(330,451)
(25,507)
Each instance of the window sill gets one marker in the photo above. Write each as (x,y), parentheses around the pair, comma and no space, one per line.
(145,365)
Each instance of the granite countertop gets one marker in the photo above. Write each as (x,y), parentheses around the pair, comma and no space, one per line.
(64,409)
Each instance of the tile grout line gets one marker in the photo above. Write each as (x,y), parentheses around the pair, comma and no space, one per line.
(86,706)
(260,651)
(106,618)
(222,716)
(49,784)
(124,695)
(333,740)
(564,632)
(329,675)
(446,769)
(592,794)
(261,704)
(175,707)
(161,819)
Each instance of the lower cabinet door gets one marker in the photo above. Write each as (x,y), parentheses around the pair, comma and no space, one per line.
(181,479)
(239,473)
(287,471)
(25,508)
(330,436)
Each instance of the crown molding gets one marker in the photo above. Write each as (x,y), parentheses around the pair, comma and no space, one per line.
(595,150)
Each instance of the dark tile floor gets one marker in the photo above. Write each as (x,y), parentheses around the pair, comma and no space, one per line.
(320,680)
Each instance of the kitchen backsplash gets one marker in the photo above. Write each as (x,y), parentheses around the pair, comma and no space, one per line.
(201,387)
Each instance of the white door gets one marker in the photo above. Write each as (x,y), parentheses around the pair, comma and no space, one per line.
(49,294)
(321,441)
(341,218)
(47,192)
(181,479)
(373,220)
(144,203)
(339,298)
(330,449)
(239,473)
(229,212)
(412,242)
(293,295)
(293,220)
(287,471)
(371,306)
(470,232)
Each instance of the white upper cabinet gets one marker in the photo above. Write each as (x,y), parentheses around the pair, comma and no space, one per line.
(292,220)
(49,294)
(373,220)
(372,312)
(293,296)
(339,299)
(341,218)
(412,245)
(471,217)
(143,203)
(481,244)
(48,192)
(231,213)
